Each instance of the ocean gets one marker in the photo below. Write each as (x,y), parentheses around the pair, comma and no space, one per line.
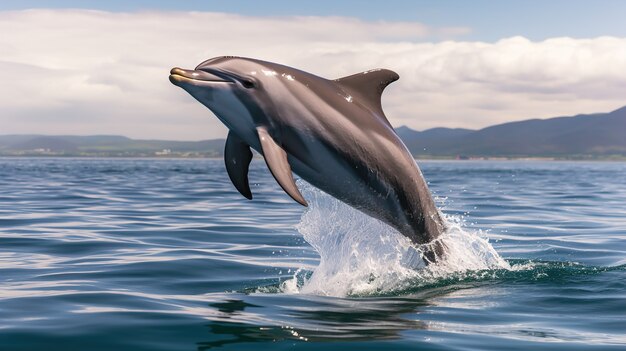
(164,254)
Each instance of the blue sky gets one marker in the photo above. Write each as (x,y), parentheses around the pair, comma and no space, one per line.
(489,19)
(466,64)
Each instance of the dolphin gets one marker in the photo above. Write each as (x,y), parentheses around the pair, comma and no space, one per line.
(331,133)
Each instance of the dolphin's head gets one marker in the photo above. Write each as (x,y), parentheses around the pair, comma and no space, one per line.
(231,87)
(220,73)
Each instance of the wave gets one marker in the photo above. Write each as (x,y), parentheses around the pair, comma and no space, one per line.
(360,255)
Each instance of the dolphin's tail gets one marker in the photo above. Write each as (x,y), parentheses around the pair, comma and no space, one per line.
(434,251)
(427,231)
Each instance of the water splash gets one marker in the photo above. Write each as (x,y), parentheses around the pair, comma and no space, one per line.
(360,255)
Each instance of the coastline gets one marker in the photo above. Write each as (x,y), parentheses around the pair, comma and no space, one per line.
(569,158)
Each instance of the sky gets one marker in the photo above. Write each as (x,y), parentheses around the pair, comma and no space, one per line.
(96,67)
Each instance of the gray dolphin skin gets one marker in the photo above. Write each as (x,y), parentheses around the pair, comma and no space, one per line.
(331,133)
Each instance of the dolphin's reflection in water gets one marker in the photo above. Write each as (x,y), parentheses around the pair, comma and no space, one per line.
(313,318)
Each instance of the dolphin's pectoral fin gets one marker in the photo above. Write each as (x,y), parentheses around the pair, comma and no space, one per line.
(368,87)
(237,156)
(276,159)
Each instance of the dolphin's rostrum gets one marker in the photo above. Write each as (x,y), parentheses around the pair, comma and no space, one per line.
(332,133)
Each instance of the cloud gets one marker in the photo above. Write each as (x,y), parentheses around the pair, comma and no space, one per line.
(94,72)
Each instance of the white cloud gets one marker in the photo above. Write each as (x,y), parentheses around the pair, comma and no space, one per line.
(88,72)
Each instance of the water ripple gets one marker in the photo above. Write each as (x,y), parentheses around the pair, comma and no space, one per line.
(166,255)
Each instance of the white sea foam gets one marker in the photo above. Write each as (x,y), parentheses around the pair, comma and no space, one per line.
(362,255)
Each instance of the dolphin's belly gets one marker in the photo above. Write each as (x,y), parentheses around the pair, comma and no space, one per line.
(350,181)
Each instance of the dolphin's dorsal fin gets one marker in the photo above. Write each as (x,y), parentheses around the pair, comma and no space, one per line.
(368,86)
(276,159)
(237,157)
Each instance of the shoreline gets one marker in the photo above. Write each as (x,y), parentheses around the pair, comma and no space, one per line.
(418,158)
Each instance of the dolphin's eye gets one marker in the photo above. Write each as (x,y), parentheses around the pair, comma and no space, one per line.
(248,84)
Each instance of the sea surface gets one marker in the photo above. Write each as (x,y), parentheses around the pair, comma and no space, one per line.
(153,254)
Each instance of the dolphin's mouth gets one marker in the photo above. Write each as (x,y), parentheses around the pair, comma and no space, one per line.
(197,77)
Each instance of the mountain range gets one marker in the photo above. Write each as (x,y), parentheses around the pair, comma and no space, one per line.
(600,135)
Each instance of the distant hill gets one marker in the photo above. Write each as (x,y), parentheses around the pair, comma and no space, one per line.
(105,145)
(600,135)
(50,143)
